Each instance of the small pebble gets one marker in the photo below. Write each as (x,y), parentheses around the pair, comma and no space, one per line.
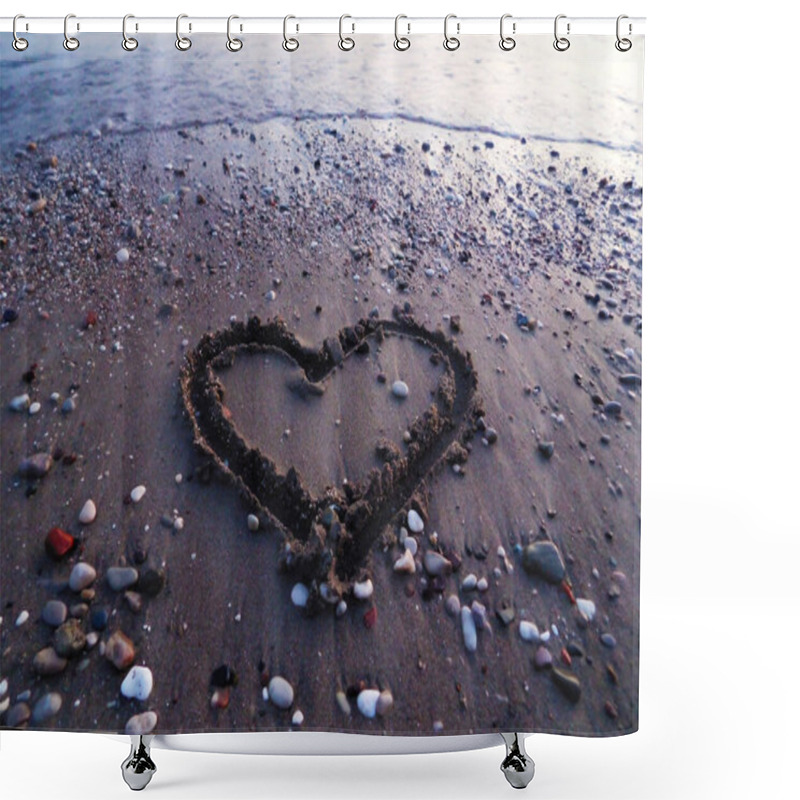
(88,512)
(121,578)
(363,589)
(36,466)
(69,405)
(281,692)
(410,543)
(542,659)
(343,702)
(544,559)
(47,662)
(58,543)
(138,683)
(468,629)
(99,619)
(137,493)
(608,641)
(385,703)
(120,650)
(297,718)
(547,449)
(469,583)
(22,618)
(586,607)
(415,523)
(54,613)
(141,724)
(17,715)
(400,389)
(567,682)
(528,631)
(367,702)
(46,707)
(436,564)
(483,585)
(82,576)
(20,403)
(300,595)
(405,564)
(452,605)
(123,256)
(252,523)
(35,408)
(69,639)
(341,608)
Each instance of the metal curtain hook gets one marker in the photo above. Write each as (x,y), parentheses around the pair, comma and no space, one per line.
(623,45)
(451,42)
(70,42)
(346,42)
(181,42)
(507,42)
(128,42)
(19,44)
(290,44)
(233,44)
(561,43)
(401,42)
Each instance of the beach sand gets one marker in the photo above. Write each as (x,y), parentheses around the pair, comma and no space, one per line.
(524,256)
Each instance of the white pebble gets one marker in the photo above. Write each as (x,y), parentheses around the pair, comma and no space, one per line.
(544,636)
(400,389)
(88,512)
(22,618)
(367,702)
(35,408)
(265,694)
(410,543)
(363,590)
(483,585)
(528,631)
(252,522)
(281,692)
(300,595)
(297,717)
(137,493)
(341,608)
(470,582)
(405,563)
(178,478)
(586,607)
(415,523)
(82,576)
(123,256)
(3,687)
(20,403)
(453,605)
(469,630)
(138,683)
(141,724)
(271,295)
(177,523)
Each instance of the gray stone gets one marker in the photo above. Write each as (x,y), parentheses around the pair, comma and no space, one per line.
(151,582)
(54,613)
(400,389)
(544,559)
(17,715)
(542,659)
(121,578)
(608,640)
(46,707)
(281,692)
(469,630)
(82,575)
(48,662)
(436,564)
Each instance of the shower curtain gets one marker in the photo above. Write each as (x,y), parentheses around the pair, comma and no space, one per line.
(321,385)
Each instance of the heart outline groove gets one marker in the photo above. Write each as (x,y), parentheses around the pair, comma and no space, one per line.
(328,539)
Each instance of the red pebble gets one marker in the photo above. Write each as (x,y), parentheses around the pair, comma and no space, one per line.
(566,657)
(58,543)
(371,617)
(91,319)
(568,591)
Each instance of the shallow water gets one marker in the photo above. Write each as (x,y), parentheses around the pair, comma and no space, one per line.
(590,94)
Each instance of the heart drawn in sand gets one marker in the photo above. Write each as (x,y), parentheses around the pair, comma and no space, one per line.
(329,538)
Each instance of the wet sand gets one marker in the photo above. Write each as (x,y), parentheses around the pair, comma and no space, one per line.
(336,220)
